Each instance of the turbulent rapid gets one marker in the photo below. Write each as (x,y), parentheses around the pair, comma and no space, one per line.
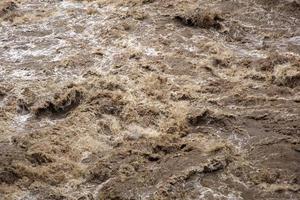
(149,99)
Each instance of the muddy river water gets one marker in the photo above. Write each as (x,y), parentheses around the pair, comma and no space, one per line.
(149,99)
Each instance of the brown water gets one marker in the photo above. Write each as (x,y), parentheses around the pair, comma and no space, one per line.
(150,99)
